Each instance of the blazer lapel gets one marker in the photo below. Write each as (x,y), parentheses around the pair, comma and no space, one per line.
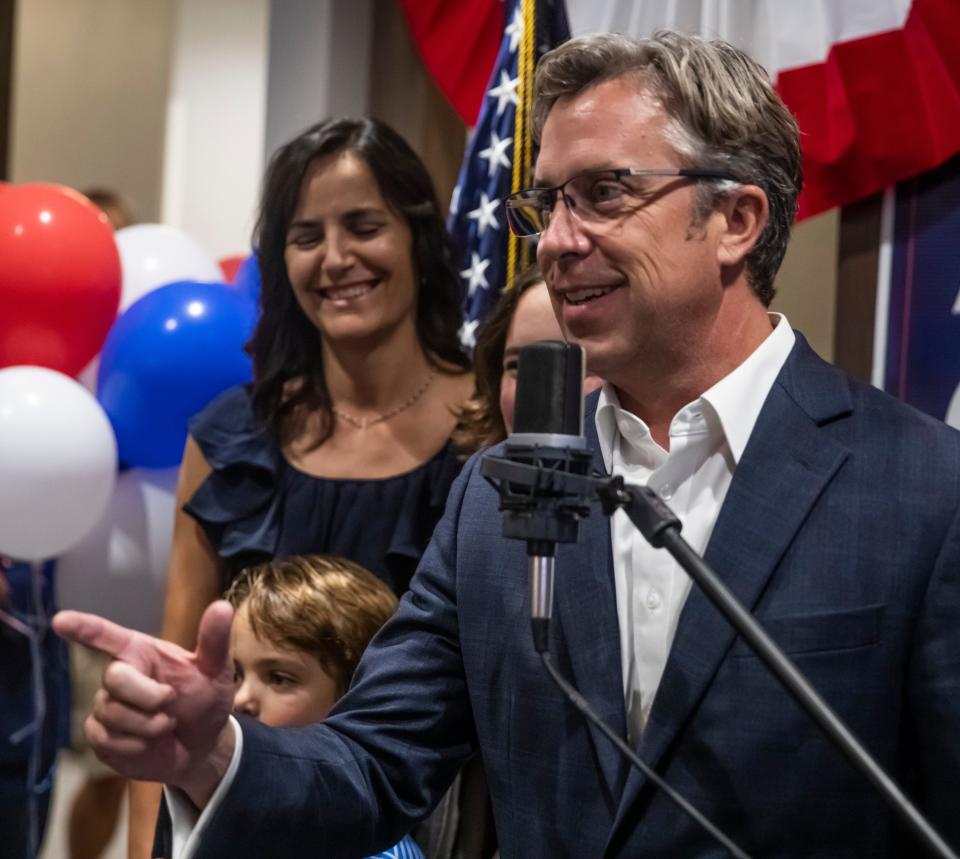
(586,620)
(786,466)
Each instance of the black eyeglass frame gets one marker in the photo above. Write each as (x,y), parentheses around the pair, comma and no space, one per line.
(525,197)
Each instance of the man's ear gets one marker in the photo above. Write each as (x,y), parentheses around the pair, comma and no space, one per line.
(745,214)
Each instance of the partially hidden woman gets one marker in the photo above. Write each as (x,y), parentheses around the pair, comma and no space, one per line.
(522,315)
(342,443)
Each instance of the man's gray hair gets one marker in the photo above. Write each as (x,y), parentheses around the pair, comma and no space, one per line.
(723,113)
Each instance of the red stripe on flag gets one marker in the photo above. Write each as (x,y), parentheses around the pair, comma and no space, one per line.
(879,109)
(458,42)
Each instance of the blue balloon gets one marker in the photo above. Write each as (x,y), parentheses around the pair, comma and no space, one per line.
(165,358)
(247,278)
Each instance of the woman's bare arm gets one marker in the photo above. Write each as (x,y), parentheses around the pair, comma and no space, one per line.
(195,576)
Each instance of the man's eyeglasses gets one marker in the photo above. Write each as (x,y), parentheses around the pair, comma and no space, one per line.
(594,196)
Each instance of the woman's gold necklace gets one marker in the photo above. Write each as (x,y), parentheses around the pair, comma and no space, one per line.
(363,423)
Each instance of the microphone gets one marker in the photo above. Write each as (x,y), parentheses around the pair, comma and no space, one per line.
(547,436)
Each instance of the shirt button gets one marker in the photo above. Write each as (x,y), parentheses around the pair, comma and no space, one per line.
(666,492)
(653,600)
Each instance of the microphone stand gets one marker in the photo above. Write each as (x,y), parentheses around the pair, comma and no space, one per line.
(661,528)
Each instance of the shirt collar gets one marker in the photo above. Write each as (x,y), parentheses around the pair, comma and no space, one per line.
(739,396)
(736,399)
(608,405)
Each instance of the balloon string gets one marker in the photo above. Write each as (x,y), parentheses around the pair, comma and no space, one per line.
(34,630)
(15,623)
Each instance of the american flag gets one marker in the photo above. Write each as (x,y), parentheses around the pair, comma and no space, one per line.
(477,220)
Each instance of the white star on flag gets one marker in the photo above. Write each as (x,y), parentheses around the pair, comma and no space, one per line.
(475,274)
(495,154)
(468,333)
(505,91)
(515,30)
(485,214)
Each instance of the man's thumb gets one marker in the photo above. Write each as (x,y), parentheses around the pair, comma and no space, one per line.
(213,638)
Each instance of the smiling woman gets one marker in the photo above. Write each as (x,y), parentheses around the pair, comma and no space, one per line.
(348,256)
(358,377)
(342,443)
(360,303)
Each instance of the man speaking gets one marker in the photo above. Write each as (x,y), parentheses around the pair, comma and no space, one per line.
(665,187)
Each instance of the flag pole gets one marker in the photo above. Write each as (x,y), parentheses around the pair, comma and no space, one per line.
(517,249)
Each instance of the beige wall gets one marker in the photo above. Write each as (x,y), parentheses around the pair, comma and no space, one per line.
(213,157)
(403,95)
(807,282)
(90,84)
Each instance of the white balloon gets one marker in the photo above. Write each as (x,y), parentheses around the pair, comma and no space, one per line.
(154,254)
(119,570)
(58,462)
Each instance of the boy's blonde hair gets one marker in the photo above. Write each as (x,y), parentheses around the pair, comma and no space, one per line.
(322,604)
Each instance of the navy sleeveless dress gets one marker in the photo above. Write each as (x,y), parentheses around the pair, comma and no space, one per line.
(256,506)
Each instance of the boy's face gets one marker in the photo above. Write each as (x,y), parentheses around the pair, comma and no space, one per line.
(278,686)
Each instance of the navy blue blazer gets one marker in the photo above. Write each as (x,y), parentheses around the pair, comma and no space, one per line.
(839,532)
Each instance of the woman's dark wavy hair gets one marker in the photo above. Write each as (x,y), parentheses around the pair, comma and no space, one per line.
(285,345)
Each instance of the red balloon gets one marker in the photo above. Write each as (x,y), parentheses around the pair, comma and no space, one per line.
(229,266)
(59,280)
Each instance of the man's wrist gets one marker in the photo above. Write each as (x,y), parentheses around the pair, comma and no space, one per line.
(203,780)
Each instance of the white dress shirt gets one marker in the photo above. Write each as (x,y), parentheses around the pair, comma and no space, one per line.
(186,821)
(707,439)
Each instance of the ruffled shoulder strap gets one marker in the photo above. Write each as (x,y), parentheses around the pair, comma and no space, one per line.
(424,499)
(228,432)
(239,504)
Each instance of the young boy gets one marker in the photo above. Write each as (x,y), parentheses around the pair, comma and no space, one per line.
(300,627)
